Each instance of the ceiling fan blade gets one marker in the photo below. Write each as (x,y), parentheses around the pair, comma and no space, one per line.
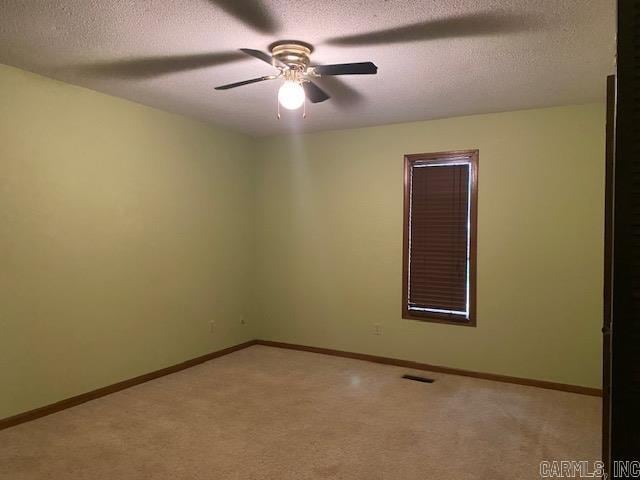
(148,67)
(251,13)
(245,82)
(314,93)
(264,56)
(362,68)
(468,25)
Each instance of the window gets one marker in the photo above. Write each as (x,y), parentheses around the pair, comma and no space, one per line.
(440,211)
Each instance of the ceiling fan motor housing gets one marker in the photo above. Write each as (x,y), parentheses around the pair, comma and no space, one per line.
(292,53)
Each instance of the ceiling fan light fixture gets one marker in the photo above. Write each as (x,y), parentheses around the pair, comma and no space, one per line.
(291,95)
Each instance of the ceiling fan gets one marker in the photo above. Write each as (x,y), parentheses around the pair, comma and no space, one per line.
(292,59)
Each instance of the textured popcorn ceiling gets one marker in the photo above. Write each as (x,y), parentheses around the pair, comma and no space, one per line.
(471,56)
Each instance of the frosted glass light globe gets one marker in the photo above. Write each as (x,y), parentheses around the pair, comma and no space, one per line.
(291,95)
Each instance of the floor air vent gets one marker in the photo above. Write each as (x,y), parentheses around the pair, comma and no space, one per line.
(415,378)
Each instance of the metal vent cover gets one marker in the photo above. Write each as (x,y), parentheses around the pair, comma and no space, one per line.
(417,378)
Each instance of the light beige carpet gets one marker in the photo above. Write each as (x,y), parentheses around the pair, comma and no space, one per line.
(267,413)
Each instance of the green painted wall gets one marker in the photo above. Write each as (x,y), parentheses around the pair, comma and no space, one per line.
(330,250)
(123,231)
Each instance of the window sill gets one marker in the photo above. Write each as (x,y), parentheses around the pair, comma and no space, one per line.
(434,317)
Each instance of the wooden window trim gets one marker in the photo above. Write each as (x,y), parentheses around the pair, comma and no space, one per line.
(442,157)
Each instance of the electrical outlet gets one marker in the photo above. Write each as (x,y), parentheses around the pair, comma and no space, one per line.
(377,329)
(212,325)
